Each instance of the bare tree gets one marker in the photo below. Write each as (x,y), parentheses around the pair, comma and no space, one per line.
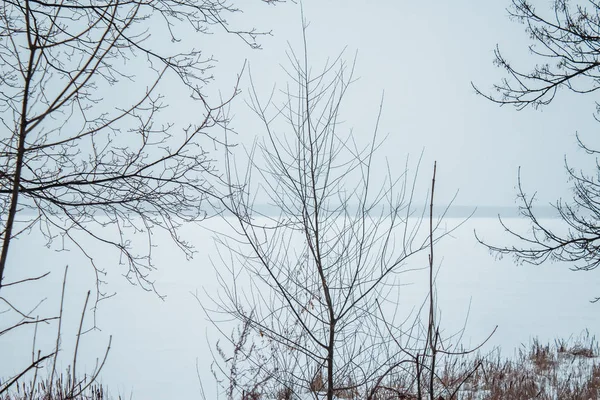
(567,43)
(314,274)
(85,150)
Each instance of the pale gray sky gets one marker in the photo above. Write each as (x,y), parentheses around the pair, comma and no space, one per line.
(424,55)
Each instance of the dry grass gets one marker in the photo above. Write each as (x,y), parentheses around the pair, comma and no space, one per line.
(61,389)
(565,370)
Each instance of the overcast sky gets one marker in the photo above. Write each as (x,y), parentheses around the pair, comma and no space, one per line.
(424,56)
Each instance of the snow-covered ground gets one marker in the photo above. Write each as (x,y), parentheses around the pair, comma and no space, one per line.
(158,344)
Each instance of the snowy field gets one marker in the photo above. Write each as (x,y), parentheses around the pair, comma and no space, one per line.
(157,344)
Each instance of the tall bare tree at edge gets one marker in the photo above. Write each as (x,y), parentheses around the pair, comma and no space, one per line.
(565,42)
(83,144)
(87,155)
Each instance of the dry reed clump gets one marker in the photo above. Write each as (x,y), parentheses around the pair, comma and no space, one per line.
(347,391)
(566,370)
(61,389)
(285,393)
(318,383)
(543,358)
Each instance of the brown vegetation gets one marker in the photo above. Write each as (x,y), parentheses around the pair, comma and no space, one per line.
(567,369)
(58,390)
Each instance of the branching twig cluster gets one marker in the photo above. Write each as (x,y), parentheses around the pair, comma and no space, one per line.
(567,43)
(85,150)
(311,280)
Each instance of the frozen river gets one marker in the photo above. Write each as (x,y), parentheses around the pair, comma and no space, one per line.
(157,344)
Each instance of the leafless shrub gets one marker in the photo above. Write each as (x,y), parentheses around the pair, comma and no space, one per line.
(322,264)
(316,304)
(27,382)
